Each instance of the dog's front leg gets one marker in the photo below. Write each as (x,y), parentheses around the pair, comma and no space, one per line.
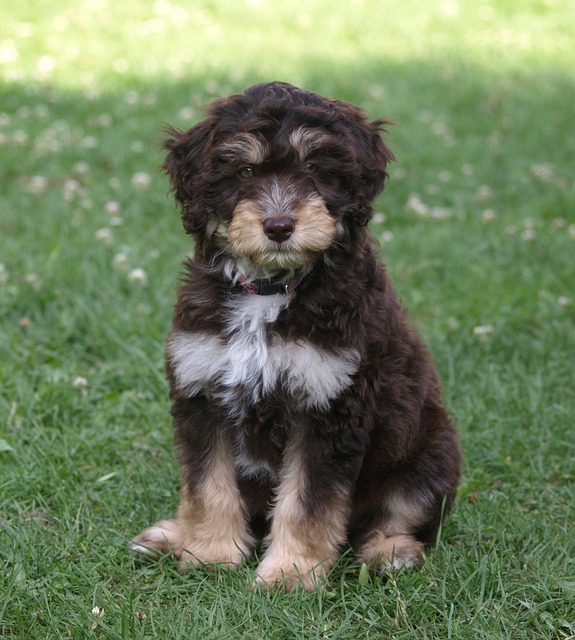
(309,520)
(210,527)
(211,516)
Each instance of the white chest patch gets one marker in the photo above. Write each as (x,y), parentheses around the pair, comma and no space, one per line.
(250,360)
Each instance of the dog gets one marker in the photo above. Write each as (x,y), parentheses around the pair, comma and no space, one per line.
(306,408)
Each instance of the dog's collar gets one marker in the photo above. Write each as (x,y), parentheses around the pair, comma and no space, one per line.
(267,287)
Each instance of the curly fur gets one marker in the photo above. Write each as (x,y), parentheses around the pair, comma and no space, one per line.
(312,415)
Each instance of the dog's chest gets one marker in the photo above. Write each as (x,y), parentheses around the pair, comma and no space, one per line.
(249,360)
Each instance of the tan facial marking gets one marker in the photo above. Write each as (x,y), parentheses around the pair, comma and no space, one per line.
(244,148)
(315,228)
(314,231)
(305,141)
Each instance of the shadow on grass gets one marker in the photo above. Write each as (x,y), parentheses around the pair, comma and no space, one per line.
(451,103)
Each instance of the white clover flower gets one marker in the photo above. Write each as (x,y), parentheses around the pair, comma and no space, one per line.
(482,330)
(212,86)
(103,120)
(544,172)
(417,205)
(81,384)
(71,188)
(89,142)
(387,236)
(559,223)
(488,215)
(20,137)
(528,234)
(379,217)
(104,235)
(484,193)
(132,98)
(37,184)
(138,275)
(41,111)
(121,261)
(46,64)
(141,180)
(186,113)
(440,213)
(91,94)
(33,280)
(81,167)
(3,273)
(564,301)
(8,52)
(112,207)
(25,323)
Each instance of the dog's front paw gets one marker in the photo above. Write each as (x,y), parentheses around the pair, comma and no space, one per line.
(292,573)
(211,555)
(170,536)
(163,538)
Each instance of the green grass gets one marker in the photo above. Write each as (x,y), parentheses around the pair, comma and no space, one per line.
(479,236)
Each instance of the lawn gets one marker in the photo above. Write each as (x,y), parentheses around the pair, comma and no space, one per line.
(477,226)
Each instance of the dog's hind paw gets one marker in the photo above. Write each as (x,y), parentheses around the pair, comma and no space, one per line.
(382,552)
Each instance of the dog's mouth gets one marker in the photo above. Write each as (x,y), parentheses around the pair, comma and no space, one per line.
(280,259)
(272,257)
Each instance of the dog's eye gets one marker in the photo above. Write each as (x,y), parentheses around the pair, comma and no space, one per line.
(310,167)
(246,172)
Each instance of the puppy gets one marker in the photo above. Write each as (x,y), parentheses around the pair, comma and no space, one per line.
(305,406)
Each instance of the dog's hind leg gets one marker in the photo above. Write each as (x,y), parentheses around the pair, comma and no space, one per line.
(395,529)
(389,540)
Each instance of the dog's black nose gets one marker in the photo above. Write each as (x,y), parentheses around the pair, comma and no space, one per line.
(279,229)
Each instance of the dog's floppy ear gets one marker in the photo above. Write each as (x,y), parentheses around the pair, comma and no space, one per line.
(184,165)
(373,156)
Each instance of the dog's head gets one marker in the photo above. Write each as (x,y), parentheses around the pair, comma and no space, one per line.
(275,174)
